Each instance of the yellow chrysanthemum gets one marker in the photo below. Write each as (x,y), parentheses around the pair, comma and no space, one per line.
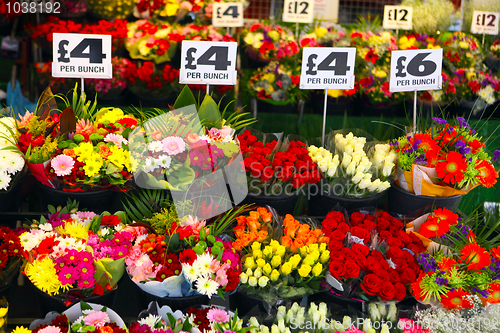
(91,168)
(21,329)
(76,230)
(112,115)
(84,148)
(43,275)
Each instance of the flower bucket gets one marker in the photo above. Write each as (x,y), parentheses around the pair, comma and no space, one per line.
(404,202)
(96,201)
(321,203)
(11,201)
(250,305)
(8,278)
(284,204)
(270,106)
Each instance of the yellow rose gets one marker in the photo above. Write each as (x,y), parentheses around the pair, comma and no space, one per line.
(314,255)
(303,251)
(275,36)
(261,262)
(267,269)
(249,263)
(317,269)
(257,254)
(325,256)
(322,247)
(286,268)
(275,275)
(308,260)
(295,260)
(313,247)
(320,31)
(256,246)
(276,261)
(280,251)
(304,270)
(274,244)
(267,252)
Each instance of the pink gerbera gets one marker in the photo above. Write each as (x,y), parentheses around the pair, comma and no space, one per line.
(217,315)
(96,319)
(173,145)
(50,329)
(62,165)
(85,215)
(117,139)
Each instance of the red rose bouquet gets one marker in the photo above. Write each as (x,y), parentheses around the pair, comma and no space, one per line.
(147,79)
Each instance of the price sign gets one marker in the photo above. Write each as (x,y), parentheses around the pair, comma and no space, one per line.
(485,23)
(301,11)
(413,70)
(82,56)
(327,68)
(398,17)
(208,63)
(227,14)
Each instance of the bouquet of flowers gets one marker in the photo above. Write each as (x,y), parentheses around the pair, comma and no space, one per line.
(177,9)
(449,159)
(257,226)
(351,169)
(476,87)
(334,36)
(447,94)
(117,84)
(371,257)
(97,318)
(53,322)
(276,84)
(415,41)
(160,319)
(269,42)
(117,28)
(146,79)
(12,162)
(495,48)
(373,48)
(286,170)
(461,51)
(75,254)
(372,86)
(205,33)
(10,256)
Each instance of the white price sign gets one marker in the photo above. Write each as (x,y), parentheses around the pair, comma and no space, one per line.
(398,17)
(208,63)
(227,14)
(413,70)
(327,68)
(485,23)
(82,56)
(301,11)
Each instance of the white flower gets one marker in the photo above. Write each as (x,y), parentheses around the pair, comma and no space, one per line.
(190,272)
(243,278)
(150,320)
(202,264)
(346,160)
(383,186)
(281,325)
(252,281)
(323,165)
(387,171)
(45,227)
(365,183)
(358,177)
(351,168)
(207,286)
(258,272)
(149,164)
(349,150)
(164,161)
(346,322)
(155,146)
(4,180)
(374,185)
(15,163)
(263,280)
(364,166)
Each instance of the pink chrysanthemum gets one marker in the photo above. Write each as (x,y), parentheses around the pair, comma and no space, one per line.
(96,319)
(68,275)
(85,215)
(173,145)
(62,165)
(217,315)
(50,329)
(117,139)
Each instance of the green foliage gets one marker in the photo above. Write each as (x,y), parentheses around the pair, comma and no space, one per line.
(82,108)
(144,203)
(163,220)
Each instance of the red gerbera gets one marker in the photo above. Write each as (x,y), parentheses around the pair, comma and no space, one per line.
(487,174)
(495,252)
(187,256)
(446,263)
(451,170)
(494,293)
(110,220)
(433,227)
(446,215)
(476,257)
(456,300)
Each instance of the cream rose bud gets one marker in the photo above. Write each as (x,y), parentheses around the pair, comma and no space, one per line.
(382,148)
(387,170)
(252,281)
(351,169)
(249,272)
(374,186)
(331,171)
(365,183)
(359,147)
(263,280)
(258,272)
(383,186)
(349,149)
(243,278)
(363,167)
(391,157)
(358,177)
(264,329)
(275,329)
(323,165)
(346,322)
(356,157)
(346,160)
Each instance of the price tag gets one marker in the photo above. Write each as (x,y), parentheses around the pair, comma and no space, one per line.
(398,17)
(413,70)
(485,23)
(82,56)
(227,14)
(208,63)
(301,11)
(327,68)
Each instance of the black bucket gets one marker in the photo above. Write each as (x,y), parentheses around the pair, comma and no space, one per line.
(321,203)
(263,106)
(11,201)
(249,305)
(337,304)
(284,204)
(404,202)
(95,201)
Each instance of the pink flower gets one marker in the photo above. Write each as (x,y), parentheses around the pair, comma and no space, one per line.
(117,139)
(85,215)
(218,315)
(173,145)
(221,277)
(134,254)
(135,231)
(62,165)
(96,319)
(50,329)
(195,225)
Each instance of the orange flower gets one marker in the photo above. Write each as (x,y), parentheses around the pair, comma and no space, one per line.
(494,290)
(238,231)
(247,239)
(323,239)
(104,151)
(476,257)
(495,252)
(452,169)
(297,244)
(253,224)
(487,174)
(238,245)
(456,300)
(241,220)
(69,152)
(446,263)
(286,242)
(261,236)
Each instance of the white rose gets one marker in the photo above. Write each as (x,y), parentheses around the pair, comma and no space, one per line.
(351,169)
(323,165)
(349,136)
(387,171)
(243,278)
(258,272)
(346,322)
(356,157)
(358,177)
(382,148)
(363,166)
(359,147)
(383,186)
(249,272)
(331,171)
(365,183)
(346,160)
(252,281)
(349,149)
(263,280)
(391,157)
(374,186)
(274,329)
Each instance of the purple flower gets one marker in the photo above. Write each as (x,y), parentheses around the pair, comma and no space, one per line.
(420,160)
(495,269)
(395,143)
(439,121)
(427,262)
(483,292)
(496,154)
(462,122)
(460,144)
(440,281)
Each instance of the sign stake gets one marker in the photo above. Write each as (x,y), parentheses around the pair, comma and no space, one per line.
(414,112)
(483,41)
(208,89)
(83,89)
(324,119)
(297,31)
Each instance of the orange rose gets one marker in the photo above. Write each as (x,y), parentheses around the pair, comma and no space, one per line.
(238,231)
(297,244)
(238,246)
(254,214)
(247,238)
(253,224)
(323,239)
(242,220)
(261,236)
(286,242)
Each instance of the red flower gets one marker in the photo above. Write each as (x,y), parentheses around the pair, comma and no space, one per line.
(187,256)
(371,284)
(361,249)
(487,174)
(400,291)
(337,269)
(371,56)
(475,256)
(494,293)
(295,79)
(451,170)
(387,291)
(456,300)
(110,220)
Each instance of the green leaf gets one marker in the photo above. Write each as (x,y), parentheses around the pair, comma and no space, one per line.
(174,241)
(85,306)
(185,98)
(171,319)
(209,111)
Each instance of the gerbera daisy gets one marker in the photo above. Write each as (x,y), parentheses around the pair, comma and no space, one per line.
(445,215)
(456,300)
(50,329)
(494,293)
(206,286)
(117,139)
(476,257)
(433,227)
(487,174)
(452,169)
(217,315)
(96,319)
(62,165)
(446,263)
(202,264)
(495,252)
(173,145)
(21,329)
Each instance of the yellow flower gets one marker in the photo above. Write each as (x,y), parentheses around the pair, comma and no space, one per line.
(267,252)
(267,269)
(276,261)
(75,230)
(257,254)
(43,275)
(304,270)
(286,268)
(295,260)
(260,262)
(322,247)
(470,75)
(21,329)
(3,312)
(110,114)
(249,39)
(335,93)
(91,168)
(304,251)
(275,275)
(325,256)
(313,247)
(280,251)
(275,36)
(84,148)
(171,9)
(250,263)
(269,77)
(432,46)
(309,260)
(317,269)
(379,73)
(320,31)
(256,246)
(463,45)
(143,49)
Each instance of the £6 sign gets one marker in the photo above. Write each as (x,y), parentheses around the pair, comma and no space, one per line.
(413,70)
(208,63)
(82,56)
(327,68)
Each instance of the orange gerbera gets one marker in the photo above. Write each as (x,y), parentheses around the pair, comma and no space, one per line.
(495,252)
(433,227)
(445,215)
(452,169)
(427,143)
(432,157)
(456,300)
(487,174)
(494,293)
(446,263)
(476,257)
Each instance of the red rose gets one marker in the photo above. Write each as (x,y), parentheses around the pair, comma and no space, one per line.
(372,264)
(336,216)
(337,255)
(348,253)
(385,234)
(392,241)
(337,269)
(334,246)
(403,236)
(384,264)
(408,276)
(371,284)
(394,275)
(377,254)
(401,264)
(361,260)
(387,291)
(110,220)
(394,252)
(351,269)
(337,235)
(370,225)
(383,224)
(394,231)
(408,256)
(361,233)
(361,249)
(397,223)
(386,215)
(382,274)
(356,218)
(400,291)
(414,248)
(344,227)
